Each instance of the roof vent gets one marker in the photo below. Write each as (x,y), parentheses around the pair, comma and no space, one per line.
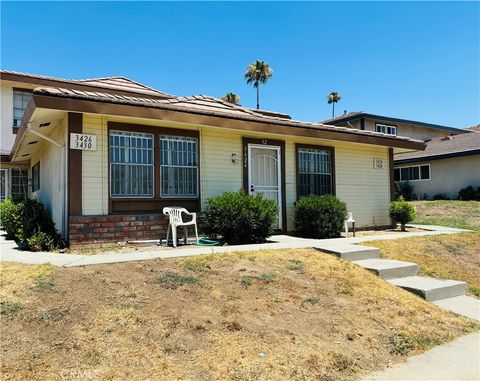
(46,124)
(446,138)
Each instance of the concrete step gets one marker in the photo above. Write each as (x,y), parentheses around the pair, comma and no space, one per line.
(431,289)
(389,269)
(468,306)
(351,252)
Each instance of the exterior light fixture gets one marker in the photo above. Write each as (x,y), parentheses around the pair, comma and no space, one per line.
(234,158)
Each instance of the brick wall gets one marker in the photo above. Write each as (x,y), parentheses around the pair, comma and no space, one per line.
(99,230)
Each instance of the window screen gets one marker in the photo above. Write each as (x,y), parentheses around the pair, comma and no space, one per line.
(131,164)
(314,171)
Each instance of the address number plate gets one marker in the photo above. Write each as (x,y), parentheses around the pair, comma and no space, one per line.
(83,142)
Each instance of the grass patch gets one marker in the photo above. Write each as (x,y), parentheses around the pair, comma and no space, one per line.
(452,213)
(173,280)
(9,308)
(247,280)
(267,277)
(295,264)
(197,265)
(217,331)
(447,256)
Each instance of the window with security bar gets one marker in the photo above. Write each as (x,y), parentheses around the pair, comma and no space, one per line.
(131,164)
(19,188)
(314,172)
(178,166)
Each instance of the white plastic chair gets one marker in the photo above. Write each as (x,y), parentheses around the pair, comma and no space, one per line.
(348,221)
(174,214)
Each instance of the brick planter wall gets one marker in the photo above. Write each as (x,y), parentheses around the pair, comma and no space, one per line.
(101,230)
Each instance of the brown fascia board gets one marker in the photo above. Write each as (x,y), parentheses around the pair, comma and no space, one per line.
(205,118)
(72,85)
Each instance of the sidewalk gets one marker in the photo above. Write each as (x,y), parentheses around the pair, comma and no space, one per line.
(10,253)
(458,360)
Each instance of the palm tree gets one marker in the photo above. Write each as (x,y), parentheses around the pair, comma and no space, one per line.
(258,72)
(231,98)
(333,98)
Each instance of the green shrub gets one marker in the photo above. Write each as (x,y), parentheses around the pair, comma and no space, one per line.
(10,217)
(320,216)
(469,194)
(401,212)
(440,196)
(41,241)
(23,219)
(240,218)
(404,189)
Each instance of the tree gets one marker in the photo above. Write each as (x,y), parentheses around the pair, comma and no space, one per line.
(257,73)
(231,98)
(333,98)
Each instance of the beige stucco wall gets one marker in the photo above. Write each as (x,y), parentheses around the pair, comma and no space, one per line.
(52,174)
(448,176)
(365,190)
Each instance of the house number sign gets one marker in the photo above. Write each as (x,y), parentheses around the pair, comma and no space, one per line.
(83,142)
(378,163)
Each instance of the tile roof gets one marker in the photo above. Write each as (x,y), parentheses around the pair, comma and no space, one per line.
(454,145)
(113,83)
(473,128)
(203,105)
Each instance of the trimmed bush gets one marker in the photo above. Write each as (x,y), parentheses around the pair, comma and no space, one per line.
(401,212)
(320,216)
(23,220)
(440,196)
(240,218)
(404,189)
(469,194)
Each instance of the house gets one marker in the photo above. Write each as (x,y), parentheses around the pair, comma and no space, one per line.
(392,126)
(447,165)
(106,155)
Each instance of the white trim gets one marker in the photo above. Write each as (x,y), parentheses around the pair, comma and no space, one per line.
(279,174)
(7,184)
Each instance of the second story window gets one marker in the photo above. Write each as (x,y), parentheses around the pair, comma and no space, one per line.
(386,129)
(20,101)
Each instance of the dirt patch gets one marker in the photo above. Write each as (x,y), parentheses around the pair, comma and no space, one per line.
(300,315)
(447,256)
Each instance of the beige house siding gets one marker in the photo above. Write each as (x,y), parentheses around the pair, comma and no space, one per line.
(6,120)
(448,176)
(365,190)
(95,167)
(52,175)
(408,130)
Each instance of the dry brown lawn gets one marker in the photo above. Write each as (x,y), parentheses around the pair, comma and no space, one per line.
(278,315)
(446,256)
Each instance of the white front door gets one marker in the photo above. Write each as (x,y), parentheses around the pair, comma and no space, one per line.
(264,174)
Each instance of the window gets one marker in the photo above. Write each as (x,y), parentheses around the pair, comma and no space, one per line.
(36,177)
(131,164)
(417,172)
(19,183)
(3,184)
(178,166)
(386,129)
(314,172)
(20,101)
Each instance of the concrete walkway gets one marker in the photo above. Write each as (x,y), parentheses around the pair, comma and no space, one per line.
(10,253)
(455,361)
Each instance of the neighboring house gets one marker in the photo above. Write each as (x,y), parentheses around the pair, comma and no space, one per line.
(105,162)
(447,165)
(392,126)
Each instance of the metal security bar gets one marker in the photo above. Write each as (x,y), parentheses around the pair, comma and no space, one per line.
(315,171)
(178,166)
(131,164)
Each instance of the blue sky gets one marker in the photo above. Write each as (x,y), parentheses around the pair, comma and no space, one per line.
(411,60)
